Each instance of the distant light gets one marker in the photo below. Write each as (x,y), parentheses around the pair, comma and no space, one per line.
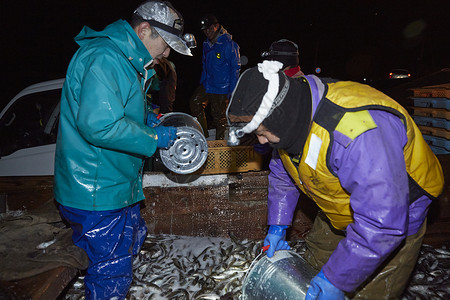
(318,70)
(395,74)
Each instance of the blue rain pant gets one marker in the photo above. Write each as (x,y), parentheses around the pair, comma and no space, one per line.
(111,240)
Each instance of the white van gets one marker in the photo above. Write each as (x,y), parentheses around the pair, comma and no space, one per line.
(28,129)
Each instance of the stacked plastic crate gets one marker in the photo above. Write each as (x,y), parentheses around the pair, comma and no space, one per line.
(432,115)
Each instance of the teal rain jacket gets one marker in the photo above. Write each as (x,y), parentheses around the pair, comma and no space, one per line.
(102,138)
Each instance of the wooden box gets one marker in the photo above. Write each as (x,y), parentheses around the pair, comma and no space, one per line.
(434,91)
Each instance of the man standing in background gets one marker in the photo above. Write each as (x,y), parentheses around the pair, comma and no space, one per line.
(221,67)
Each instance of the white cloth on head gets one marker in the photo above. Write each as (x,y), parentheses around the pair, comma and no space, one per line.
(269,69)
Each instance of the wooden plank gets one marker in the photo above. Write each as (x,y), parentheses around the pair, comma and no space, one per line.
(251,186)
(200,211)
(46,286)
(26,192)
(431,112)
(240,207)
(434,131)
(442,90)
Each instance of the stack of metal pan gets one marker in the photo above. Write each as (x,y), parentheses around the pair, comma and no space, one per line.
(190,150)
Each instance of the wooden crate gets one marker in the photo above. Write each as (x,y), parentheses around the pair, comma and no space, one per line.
(434,91)
(431,112)
(231,203)
(439,132)
(223,159)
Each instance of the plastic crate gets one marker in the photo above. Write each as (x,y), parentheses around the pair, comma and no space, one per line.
(439,150)
(223,159)
(432,122)
(437,142)
(439,132)
(432,102)
(434,91)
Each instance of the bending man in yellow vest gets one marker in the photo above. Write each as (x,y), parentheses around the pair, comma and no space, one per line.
(358,154)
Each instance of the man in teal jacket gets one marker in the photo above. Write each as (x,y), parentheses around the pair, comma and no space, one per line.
(103,139)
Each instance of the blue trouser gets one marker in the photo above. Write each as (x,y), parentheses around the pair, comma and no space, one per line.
(111,239)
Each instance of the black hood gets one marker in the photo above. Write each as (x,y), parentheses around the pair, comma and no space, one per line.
(289,120)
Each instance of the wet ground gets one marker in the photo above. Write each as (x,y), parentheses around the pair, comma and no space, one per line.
(181,267)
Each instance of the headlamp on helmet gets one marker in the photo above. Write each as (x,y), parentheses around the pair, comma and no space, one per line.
(235,133)
(190,40)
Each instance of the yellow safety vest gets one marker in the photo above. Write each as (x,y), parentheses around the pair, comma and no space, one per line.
(346,105)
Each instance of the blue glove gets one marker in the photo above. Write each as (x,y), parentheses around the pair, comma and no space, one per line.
(322,289)
(152,119)
(166,136)
(276,239)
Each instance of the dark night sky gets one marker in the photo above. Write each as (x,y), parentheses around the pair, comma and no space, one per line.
(348,39)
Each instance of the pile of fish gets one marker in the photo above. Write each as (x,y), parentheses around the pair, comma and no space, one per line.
(431,276)
(192,268)
(180,267)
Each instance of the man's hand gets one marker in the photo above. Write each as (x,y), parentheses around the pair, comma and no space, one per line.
(322,289)
(166,136)
(152,119)
(276,239)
